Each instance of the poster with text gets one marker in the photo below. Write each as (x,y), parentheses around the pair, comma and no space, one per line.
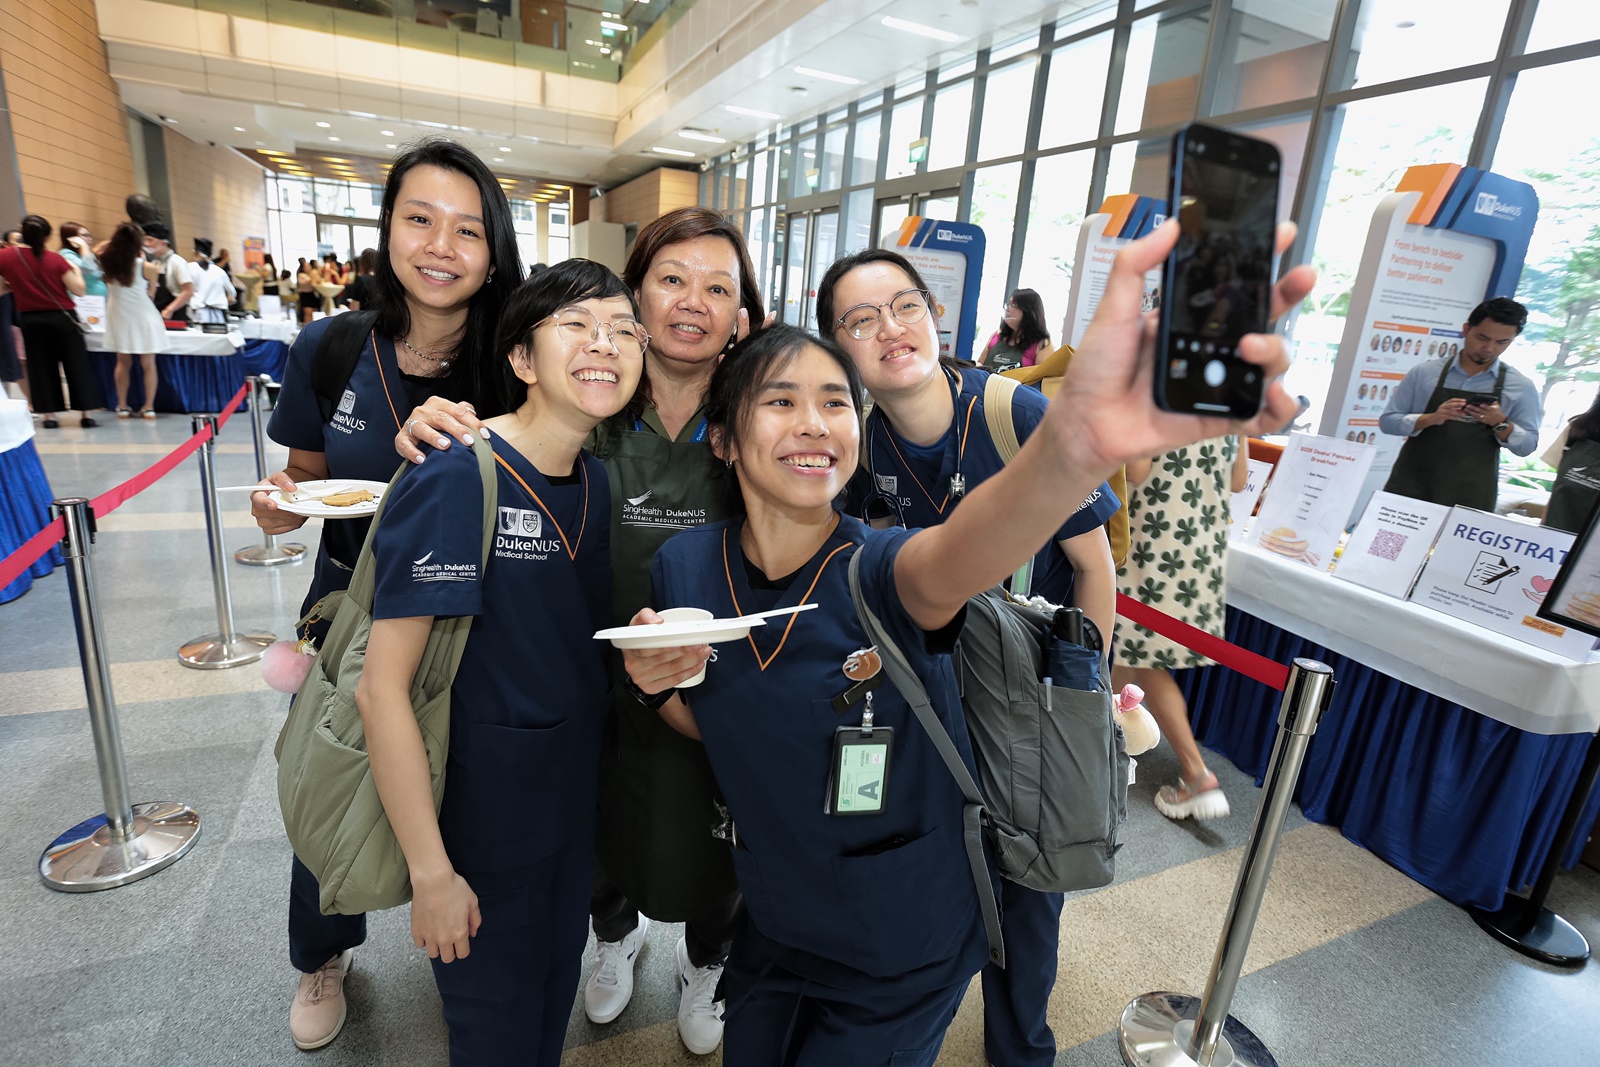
(1390,544)
(1312,496)
(1495,572)
(1243,503)
(1121,219)
(1575,599)
(949,256)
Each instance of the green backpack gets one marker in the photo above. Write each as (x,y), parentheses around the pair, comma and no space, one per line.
(331,809)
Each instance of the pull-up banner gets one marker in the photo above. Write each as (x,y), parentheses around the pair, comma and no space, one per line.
(1447,238)
(1121,219)
(949,256)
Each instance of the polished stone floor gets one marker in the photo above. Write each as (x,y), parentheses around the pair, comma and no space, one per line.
(1351,963)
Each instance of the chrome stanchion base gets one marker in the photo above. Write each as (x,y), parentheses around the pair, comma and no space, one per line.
(85,858)
(1548,938)
(211,652)
(1156,1028)
(270,555)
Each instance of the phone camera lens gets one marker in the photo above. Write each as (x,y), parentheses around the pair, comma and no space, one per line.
(1200,148)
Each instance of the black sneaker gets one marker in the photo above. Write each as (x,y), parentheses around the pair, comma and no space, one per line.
(87,423)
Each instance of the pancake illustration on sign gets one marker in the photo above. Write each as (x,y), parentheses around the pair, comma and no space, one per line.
(1585,607)
(1285,542)
(1537,587)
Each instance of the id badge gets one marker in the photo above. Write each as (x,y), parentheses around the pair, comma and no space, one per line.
(858,778)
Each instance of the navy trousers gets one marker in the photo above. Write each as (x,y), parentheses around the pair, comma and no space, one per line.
(510,999)
(315,938)
(1016,997)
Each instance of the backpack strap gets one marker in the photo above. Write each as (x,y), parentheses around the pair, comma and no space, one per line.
(338,352)
(974,816)
(997,413)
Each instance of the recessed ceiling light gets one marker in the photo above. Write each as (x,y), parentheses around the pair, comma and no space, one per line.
(827,76)
(696,135)
(260,143)
(391,146)
(333,138)
(498,159)
(238,129)
(387,133)
(672,151)
(502,148)
(752,112)
(620,27)
(919,29)
(325,125)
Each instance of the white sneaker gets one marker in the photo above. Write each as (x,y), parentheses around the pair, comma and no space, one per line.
(699,1013)
(611,985)
(1200,801)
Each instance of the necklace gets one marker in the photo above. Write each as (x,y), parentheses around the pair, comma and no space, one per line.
(443,361)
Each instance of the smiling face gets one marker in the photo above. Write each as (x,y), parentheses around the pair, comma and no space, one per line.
(438,245)
(690,300)
(798,436)
(590,380)
(899,358)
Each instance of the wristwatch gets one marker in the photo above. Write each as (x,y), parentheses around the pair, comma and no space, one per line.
(1504,425)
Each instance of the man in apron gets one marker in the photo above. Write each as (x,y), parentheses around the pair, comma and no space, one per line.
(175,284)
(1456,413)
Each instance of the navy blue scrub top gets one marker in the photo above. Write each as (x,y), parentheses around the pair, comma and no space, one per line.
(876,903)
(529,700)
(358,442)
(917,478)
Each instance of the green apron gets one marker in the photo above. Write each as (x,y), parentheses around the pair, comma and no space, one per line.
(1577,486)
(1001,356)
(1454,462)
(656,787)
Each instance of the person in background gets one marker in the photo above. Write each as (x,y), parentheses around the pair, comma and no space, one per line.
(224,264)
(175,284)
(77,249)
(1456,414)
(305,288)
(11,350)
(13,239)
(1022,335)
(133,325)
(358,293)
(1178,518)
(141,210)
(269,276)
(213,289)
(44,284)
(1575,454)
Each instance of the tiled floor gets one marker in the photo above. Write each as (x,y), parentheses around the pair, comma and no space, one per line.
(1351,962)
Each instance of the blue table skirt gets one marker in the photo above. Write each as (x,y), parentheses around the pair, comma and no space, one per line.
(1464,804)
(266,357)
(24,510)
(188,383)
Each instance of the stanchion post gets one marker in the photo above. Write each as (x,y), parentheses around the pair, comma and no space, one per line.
(270,552)
(128,841)
(225,648)
(1175,1030)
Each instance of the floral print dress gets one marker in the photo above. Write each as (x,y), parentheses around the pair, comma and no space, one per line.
(1177,562)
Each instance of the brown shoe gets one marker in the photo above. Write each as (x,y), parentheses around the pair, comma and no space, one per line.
(318,1012)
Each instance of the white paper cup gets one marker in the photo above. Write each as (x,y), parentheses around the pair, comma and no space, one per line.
(687,615)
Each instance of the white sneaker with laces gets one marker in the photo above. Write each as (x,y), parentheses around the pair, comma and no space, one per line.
(699,1012)
(610,987)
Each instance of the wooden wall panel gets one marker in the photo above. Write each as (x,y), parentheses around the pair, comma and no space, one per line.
(216,193)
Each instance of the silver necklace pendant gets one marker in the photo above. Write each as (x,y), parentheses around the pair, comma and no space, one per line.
(958,486)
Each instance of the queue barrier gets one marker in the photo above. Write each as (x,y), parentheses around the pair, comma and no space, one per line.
(270,553)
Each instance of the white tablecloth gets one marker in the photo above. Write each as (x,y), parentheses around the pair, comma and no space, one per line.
(16,425)
(1505,679)
(262,330)
(188,343)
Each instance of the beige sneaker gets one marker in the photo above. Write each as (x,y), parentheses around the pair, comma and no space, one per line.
(317,1015)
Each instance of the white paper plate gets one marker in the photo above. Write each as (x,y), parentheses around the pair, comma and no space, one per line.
(316,509)
(678,634)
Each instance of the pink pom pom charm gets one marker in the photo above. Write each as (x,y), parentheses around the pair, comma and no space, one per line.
(1139,730)
(285,664)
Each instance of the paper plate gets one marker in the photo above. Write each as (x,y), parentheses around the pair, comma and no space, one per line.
(679,634)
(316,509)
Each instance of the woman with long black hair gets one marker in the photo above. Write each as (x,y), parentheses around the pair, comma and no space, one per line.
(1575,455)
(447,262)
(1022,335)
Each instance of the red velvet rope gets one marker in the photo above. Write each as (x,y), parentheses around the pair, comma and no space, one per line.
(1250,664)
(24,557)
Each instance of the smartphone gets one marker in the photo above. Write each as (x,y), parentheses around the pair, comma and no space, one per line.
(1216,286)
(1481,400)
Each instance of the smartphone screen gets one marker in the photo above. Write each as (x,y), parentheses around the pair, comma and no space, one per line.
(1217,283)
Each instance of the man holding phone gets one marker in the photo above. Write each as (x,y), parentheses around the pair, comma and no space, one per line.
(1457,412)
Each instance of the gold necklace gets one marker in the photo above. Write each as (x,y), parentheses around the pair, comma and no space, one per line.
(443,361)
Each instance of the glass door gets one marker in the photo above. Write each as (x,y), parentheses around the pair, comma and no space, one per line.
(794,270)
(824,246)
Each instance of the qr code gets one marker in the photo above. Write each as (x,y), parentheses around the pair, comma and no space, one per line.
(1387,545)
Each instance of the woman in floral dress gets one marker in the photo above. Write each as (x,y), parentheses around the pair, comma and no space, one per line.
(1177,564)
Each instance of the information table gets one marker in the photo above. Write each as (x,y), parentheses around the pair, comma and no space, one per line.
(199,371)
(266,348)
(1449,751)
(24,495)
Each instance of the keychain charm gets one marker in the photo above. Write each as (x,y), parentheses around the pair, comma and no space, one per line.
(958,486)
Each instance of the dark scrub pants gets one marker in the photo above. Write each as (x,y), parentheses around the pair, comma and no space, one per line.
(1452,463)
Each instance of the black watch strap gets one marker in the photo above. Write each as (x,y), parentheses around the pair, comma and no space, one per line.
(653,702)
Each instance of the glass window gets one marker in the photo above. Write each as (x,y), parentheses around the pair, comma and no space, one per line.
(1274,52)
(1403,38)
(332,198)
(909,86)
(366,200)
(857,221)
(805,162)
(1093,13)
(1005,116)
(1056,210)
(946,207)
(1289,134)
(759,191)
(905,126)
(825,247)
(1559,22)
(1161,81)
(994,207)
(1561,160)
(892,215)
(741,184)
(780,193)
(705,188)
(1074,91)
(1139,167)
(795,270)
(1014,47)
(952,71)
(952,114)
(757,237)
(833,158)
(864,156)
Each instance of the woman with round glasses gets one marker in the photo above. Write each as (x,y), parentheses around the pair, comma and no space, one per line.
(501,874)
(691,274)
(927,443)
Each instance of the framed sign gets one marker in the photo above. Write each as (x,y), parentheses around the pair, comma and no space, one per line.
(1574,597)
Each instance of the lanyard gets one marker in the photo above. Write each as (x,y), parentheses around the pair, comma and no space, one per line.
(699,431)
(385,380)
(583,473)
(727,569)
(958,484)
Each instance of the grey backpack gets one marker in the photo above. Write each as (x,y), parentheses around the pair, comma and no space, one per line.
(1051,760)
